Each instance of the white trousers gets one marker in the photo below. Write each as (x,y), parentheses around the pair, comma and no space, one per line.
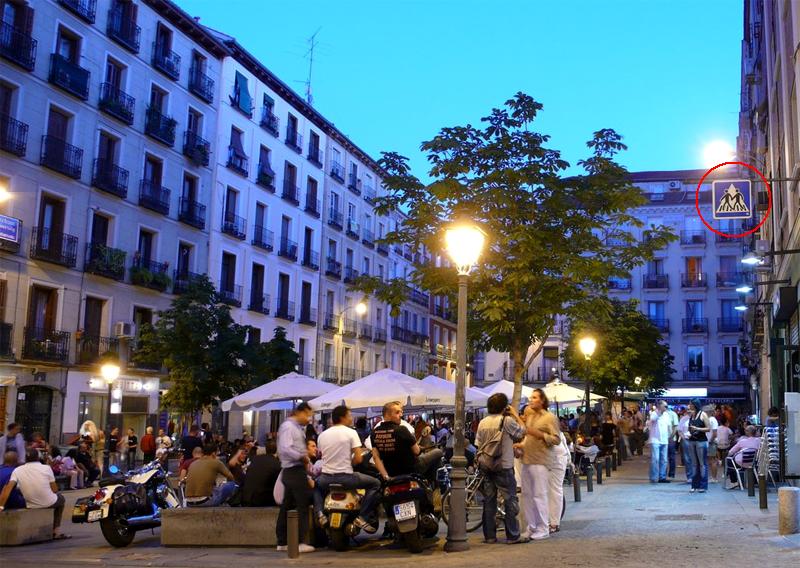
(555,494)
(535,487)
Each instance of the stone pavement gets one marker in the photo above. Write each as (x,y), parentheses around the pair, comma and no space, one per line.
(626,522)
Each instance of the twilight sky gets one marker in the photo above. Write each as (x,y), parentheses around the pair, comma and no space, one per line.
(390,74)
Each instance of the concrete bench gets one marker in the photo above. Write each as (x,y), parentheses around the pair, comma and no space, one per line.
(25,526)
(222,526)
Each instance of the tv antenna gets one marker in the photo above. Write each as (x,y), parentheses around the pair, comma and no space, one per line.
(312,43)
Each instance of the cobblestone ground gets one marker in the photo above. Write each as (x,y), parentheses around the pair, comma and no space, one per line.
(625,522)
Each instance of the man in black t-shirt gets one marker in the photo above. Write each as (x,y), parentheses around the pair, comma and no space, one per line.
(192,441)
(395,449)
(259,482)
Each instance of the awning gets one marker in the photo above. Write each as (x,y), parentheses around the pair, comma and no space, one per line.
(787,304)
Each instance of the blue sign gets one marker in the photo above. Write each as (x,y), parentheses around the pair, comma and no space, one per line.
(10,229)
(732,199)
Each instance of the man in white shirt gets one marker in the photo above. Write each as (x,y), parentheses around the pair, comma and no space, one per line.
(38,485)
(712,446)
(660,429)
(340,448)
(673,444)
(684,434)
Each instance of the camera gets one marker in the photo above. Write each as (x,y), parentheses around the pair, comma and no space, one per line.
(507,411)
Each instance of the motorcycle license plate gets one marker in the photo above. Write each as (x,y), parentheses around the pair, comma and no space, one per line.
(405,511)
(336,520)
(95,515)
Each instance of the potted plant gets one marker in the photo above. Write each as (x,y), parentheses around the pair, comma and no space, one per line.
(141,276)
(161,280)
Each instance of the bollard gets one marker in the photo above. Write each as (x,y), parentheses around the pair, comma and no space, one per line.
(751,482)
(293,533)
(614,460)
(576,486)
(762,492)
(590,478)
(789,510)
(599,467)
(608,466)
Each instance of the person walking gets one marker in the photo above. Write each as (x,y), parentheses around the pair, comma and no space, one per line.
(113,447)
(148,445)
(711,435)
(625,425)
(541,434)
(659,427)
(724,437)
(132,442)
(699,425)
(683,433)
(673,443)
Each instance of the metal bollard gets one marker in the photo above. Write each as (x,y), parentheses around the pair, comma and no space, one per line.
(599,467)
(751,482)
(608,466)
(762,492)
(614,460)
(293,533)
(589,478)
(576,486)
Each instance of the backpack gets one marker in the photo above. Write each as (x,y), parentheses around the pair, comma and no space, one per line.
(490,452)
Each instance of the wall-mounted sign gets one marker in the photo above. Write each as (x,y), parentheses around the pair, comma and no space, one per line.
(732,199)
(10,229)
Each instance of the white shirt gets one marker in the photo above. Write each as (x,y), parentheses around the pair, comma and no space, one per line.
(659,427)
(674,420)
(683,426)
(714,426)
(336,445)
(724,437)
(33,480)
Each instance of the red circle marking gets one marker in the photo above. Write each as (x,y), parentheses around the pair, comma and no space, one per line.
(769,200)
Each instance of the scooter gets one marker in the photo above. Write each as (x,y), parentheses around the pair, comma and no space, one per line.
(342,507)
(408,500)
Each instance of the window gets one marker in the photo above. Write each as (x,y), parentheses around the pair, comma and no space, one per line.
(58,124)
(261,216)
(107,149)
(655,266)
(100,225)
(236,145)
(694,266)
(311,192)
(365,267)
(227,277)
(728,265)
(351,212)
(332,249)
(68,46)
(189,191)
(194,122)
(264,160)
(727,311)
(730,357)
(257,286)
(184,258)
(152,170)
(241,96)
(695,357)
(694,309)
(114,73)
(158,99)
(145,246)
(655,310)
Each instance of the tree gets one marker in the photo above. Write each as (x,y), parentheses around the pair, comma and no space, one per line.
(548,234)
(628,346)
(274,358)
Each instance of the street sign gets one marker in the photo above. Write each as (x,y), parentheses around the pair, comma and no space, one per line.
(732,199)
(10,228)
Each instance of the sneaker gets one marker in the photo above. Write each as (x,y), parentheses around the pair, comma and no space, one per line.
(664,481)
(692,490)
(282,548)
(306,547)
(712,480)
(365,526)
(734,485)
(490,541)
(519,540)
(701,490)
(322,520)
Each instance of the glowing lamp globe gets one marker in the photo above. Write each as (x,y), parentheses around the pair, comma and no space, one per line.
(587,346)
(464,244)
(361,308)
(110,372)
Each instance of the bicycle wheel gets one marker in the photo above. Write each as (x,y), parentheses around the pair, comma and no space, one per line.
(474,509)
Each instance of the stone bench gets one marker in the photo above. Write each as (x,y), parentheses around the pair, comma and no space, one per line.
(25,526)
(221,526)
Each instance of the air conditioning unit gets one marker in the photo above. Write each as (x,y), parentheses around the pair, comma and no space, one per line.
(674,185)
(124,329)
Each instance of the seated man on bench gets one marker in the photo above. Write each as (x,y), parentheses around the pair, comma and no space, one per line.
(202,475)
(15,499)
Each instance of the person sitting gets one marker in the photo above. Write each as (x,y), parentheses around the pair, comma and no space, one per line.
(259,482)
(15,498)
(38,486)
(69,467)
(747,442)
(200,481)
(238,462)
(183,468)
(85,462)
(586,451)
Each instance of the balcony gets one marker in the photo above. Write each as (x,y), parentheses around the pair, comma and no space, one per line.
(84,9)
(693,238)
(69,76)
(369,194)
(116,103)
(730,325)
(354,184)
(731,374)
(109,177)
(231,294)
(17,46)
(337,171)
(154,197)
(269,122)
(237,162)
(105,261)
(123,29)
(197,149)
(192,213)
(265,177)
(308,316)
(234,226)
(160,126)
(694,280)
(383,249)
(695,325)
(182,279)
(13,135)
(314,155)
(89,349)
(335,219)
(547,373)
(350,274)
(330,322)
(365,331)
(620,284)
(263,238)
(367,238)
(349,327)
(201,85)
(134,361)
(291,192)
(379,336)
(259,303)
(166,61)
(333,268)
(661,324)
(723,240)
(312,205)
(6,341)
(353,229)
(61,157)
(311,259)
(40,344)
(58,248)
(288,249)
(655,281)
(731,279)
(418,297)
(150,274)
(294,139)
(284,309)
(695,373)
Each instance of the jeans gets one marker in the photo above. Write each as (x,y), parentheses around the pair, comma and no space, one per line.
(626,439)
(698,451)
(428,462)
(297,496)
(658,462)
(505,482)
(350,481)
(58,511)
(220,495)
(671,459)
(687,460)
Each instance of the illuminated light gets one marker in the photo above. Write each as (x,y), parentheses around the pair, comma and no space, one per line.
(744,289)
(110,372)
(587,346)
(116,393)
(464,244)
(686,393)
(740,308)
(361,308)
(115,408)
(751,259)
(5,195)
(717,152)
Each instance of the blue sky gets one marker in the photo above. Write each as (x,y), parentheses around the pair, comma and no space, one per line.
(390,74)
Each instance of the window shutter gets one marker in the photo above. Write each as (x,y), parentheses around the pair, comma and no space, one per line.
(268,102)
(243,100)
(236,143)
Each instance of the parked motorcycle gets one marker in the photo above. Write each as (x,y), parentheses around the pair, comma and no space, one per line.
(342,507)
(125,504)
(409,504)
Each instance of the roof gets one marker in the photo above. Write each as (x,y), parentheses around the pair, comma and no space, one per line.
(687,176)
(188,25)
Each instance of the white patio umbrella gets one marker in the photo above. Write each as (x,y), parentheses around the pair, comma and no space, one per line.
(507,388)
(375,390)
(288,387)
(474,397)
(562,393)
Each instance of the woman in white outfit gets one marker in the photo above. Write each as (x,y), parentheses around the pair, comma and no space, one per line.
(555,496)
(541,434)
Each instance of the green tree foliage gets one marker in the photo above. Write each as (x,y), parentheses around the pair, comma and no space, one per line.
(628,346)
(274,358)
(549,247)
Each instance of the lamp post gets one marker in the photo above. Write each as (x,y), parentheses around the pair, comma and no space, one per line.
(587,346)
(360,309)
(110,373)
(464,243)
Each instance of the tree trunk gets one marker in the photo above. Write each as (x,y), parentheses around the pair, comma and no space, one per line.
(518,366)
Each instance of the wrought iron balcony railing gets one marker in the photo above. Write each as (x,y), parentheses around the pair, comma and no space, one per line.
(291,192)
(123,29)
(237,162)
(17,46)
(89,349)
(693,237)
(234,225)
(160,126)
(287,249)
(259,303)
(263,238)
(69,76)
(655,281)
(294,139)
(695,325)
(13,135)
(196,148)
(61,157)
(284,309)
(231,294)
(55,247)
(105,261)
(182,279)
(110,178)
(333,268)
(201,84)
(117,103)
(337,171)
(41,344)
(314,155)
(154,197)
(266,177)
(192,213)
(166,61)
(335,218)
(269,121)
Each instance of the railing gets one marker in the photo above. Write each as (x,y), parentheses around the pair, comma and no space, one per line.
(284,309)
(314,155)
(160,126)
(369,194)
(694,280)
(192,213)
(383,249)
(6,340)
(88,349)
(619,284)
(693,237)
(236,162)
(116,102)
(545,374)
(150,274)
(335,218)
(658,281)
(61,157)
(266,177)
(234,225)
(333,268)
(105,261)
(201,84)
(721,239)
(269,122)
(349,327)
(350,274)
(308,315)
(231,295)
(730,325)
(354,184)
(695,325)
(367,238)
(196,148)
(365,331)
(58,248)
(380,335)
(17,46)
(288,248)
(337,171)
(731,279)
(13,135)
(154,197)
(330,321)
(291,192)
(166,61)
(42,344)
(123,29)
(311,259)
(731,373)
(182,279)
(294,139)
(110,178)
(352,229)
(259,303)
(263,238)
(69,76)
(418,297)
(312,205)
(695,373)
(661,324)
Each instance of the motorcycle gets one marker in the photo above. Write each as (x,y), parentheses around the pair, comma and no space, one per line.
(126,504)
(410,511)
(342,507)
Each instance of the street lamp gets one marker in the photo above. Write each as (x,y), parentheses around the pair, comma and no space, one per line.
(464,242)
(110,373)
(587,346)
(360,309)
(717,152)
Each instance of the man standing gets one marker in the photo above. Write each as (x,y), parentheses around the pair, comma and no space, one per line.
(625,425)
(660,430)
(192,441)
(13,442)
(294,457)
(711,435)
(684,435)
(673,442)
(148,445)
(504,423)
(340,447)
